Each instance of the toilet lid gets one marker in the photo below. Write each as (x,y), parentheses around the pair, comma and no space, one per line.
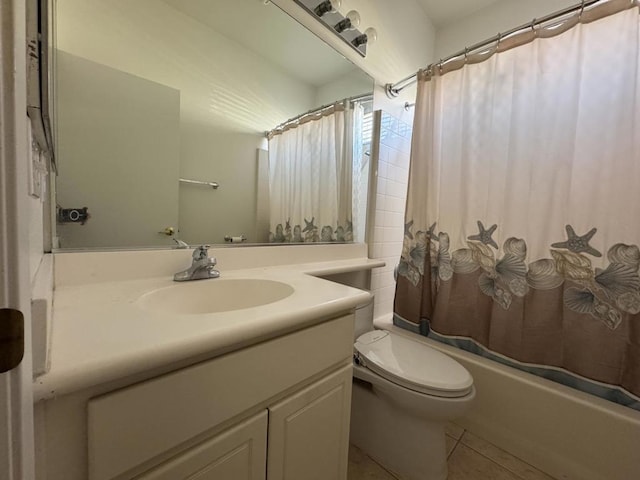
(413,365)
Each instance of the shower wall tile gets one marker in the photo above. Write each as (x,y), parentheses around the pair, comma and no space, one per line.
(396,189)
(391,194)
(383,166)
(392,219)
(383,186)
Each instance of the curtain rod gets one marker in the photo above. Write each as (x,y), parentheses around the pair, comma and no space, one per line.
(356,98)
(393,90)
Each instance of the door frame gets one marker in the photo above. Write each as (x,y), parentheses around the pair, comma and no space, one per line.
(16,397)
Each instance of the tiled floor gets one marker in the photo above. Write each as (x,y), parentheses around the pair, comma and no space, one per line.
(469,458)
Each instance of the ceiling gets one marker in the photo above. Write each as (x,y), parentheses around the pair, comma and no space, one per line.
(442,12)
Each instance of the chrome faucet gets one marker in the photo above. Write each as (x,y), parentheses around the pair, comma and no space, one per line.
(201,266)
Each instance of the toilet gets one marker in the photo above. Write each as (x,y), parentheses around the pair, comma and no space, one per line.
(404,393)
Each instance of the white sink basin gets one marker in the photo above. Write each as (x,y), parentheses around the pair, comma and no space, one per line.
(214,295)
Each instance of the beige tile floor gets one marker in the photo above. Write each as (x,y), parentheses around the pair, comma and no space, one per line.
(469,458)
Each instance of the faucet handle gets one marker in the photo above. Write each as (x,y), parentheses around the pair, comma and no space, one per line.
(201,252)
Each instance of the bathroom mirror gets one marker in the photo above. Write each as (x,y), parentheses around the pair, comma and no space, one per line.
(161,109)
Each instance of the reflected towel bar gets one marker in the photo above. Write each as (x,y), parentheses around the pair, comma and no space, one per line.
(213,185)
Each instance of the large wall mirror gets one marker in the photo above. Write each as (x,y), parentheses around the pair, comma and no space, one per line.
(158,102)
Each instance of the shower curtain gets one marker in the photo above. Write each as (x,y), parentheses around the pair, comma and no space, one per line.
(523,211)
(311,176)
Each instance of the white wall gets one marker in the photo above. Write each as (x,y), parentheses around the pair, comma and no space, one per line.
(220,81)
(487,22)
(118,147)
(352,84)
(229,158)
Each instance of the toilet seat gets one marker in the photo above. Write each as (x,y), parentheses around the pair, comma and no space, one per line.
(412,364)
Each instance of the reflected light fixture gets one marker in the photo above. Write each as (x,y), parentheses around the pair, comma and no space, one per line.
(328,6)
(367,38)
(372,35)
(327,12)
(351,21)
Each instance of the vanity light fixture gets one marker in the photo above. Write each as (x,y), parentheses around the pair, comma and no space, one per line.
(344,26)
(328,6)
(367,38)
(351,21)
(372,35)
(360,40)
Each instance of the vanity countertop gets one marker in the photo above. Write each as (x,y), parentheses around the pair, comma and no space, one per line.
(101,334)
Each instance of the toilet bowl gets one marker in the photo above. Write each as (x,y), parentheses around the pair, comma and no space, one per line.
(404,393)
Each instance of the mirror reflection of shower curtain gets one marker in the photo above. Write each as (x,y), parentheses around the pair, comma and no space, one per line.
(310,179)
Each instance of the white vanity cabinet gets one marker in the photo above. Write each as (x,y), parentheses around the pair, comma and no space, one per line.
(309,431)
(289,396)
(307,435)
(239,453)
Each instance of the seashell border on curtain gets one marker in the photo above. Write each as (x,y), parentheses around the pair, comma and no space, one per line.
(602,300)
(605,294)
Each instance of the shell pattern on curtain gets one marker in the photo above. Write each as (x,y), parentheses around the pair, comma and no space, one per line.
(310,180)
(523,214)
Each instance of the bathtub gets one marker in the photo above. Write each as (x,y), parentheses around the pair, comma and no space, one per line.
(564,432)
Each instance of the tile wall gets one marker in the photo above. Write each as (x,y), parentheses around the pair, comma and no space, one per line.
(385,241)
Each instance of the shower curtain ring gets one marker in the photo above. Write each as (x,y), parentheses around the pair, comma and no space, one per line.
(581,10)
(440,67)
(498,42)
(466,54)
(533,27)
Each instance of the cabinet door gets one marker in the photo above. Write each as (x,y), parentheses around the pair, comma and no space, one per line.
(236,454)
(309,432)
